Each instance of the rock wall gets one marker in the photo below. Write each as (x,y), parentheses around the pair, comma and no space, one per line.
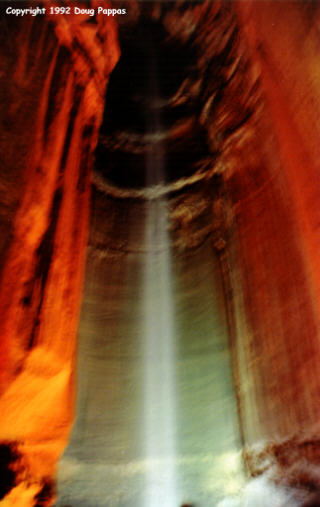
(52,111)
(273,186)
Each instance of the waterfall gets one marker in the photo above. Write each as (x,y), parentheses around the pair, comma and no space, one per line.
(159,364)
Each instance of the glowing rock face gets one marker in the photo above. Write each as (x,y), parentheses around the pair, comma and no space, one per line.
(275,190)
(44,260)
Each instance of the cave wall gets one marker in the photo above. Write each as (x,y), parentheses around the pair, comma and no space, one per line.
(51,112)
(273,186)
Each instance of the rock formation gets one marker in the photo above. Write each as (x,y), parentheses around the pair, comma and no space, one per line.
(51,113)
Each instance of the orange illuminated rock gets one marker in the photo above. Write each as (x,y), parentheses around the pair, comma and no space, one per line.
(42,275)
(273,182)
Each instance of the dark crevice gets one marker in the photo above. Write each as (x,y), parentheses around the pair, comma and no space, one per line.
(73,115)
(233,128)
(85,157)
(45,495)
(8,457)
(54,96)
(44,255)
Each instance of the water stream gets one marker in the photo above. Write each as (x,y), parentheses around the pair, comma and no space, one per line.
(160,395)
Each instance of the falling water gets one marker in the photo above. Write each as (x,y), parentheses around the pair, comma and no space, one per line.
(159,365)
(159,349)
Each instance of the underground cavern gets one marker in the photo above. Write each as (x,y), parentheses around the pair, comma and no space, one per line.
(159,248)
